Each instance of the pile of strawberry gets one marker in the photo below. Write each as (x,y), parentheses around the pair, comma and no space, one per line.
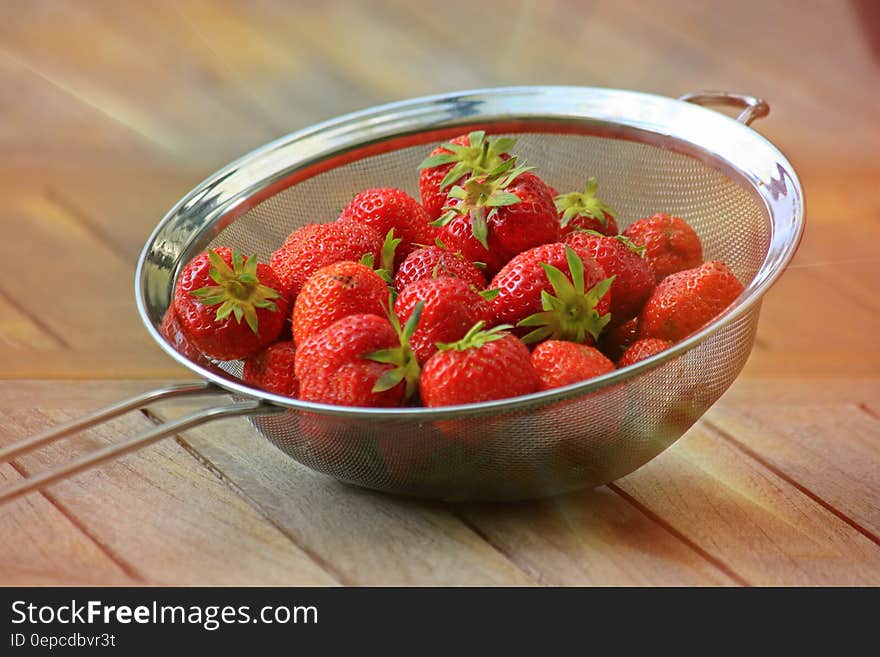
(390,304)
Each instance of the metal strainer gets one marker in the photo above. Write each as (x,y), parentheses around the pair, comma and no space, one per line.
(650,154)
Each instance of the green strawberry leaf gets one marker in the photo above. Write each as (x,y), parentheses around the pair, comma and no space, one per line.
(412,323)
(458,171)
(500,199)
(389,379)
(390,356)
(479,227)
(436,160)
(583,204)
(238,291)
(576,268)
(537,335)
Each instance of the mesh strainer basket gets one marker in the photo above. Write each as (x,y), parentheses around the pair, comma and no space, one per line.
(649,153)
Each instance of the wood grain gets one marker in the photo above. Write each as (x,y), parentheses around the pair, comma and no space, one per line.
(164,517)
(41,545)
(829,450)
(755,522)
(358,533)
(593,538)
(111,111)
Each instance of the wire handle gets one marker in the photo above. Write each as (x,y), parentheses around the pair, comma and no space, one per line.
(139,441)
(754,107)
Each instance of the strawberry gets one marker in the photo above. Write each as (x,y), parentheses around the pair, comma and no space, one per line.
(496,216)
(335,291)
(617,337)
(670,244)
(579,310)
(317,245)
(560,363)
(387,209)
(216,291)
(687,300)
(458,236)
(451,308)
(432,261)
(170,330)
(273,370)
(452,163)
(359,360)
(585,211)
(482,366)
(633,279)
(642,349)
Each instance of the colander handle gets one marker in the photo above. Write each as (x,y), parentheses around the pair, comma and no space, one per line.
(753,107)
(115,450)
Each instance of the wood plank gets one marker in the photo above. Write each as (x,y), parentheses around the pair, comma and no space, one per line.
(21,331)
(74,396)
(367,537)
(98,142)
(46,122)
(830,450)
(750,519)
(176,124)
(839,322)
(40,545)
(164,515)
(785,390)
(86,295)
(592,538)
(808,362)
(122,204)
(571,540)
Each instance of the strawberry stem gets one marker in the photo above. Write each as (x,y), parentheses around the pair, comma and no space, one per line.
(238,291)
(583,204)
(480,156)
(475,337)
(571,314)
(406,367)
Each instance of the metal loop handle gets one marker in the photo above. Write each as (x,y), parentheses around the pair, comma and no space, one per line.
(754,107)
(139,441)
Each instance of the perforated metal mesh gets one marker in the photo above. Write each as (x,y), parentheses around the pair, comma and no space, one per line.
(539,448)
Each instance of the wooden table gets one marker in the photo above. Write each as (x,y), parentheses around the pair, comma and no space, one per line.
(110,111)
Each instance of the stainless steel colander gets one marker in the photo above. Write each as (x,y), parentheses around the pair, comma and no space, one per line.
(649,153)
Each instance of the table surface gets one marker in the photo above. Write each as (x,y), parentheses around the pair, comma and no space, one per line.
(112,111)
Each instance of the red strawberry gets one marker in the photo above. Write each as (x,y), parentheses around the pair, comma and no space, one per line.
(219,289)
(387,209)
(317,245)
(579,309)
(495,217)
(451,308)
(642,349)
(458,236)
(560,363)
(273,370)
(617,337)
(584,211)
(359,360)
(171,331)
(452,163)
(335,291)
(432,261)
(670,244)
(483,365)
(633,279)
(688,300)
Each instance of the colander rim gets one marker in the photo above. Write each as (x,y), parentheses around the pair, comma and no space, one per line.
(425,112)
